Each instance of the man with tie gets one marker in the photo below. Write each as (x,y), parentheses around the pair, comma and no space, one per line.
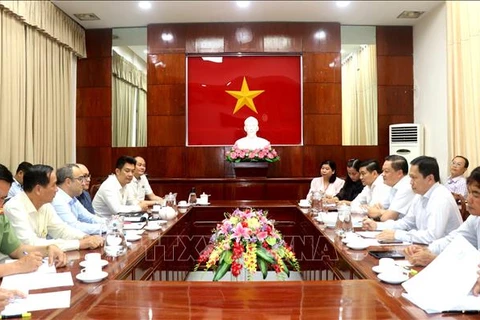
(433,213)
(395,175)
(70,182)
(113,196)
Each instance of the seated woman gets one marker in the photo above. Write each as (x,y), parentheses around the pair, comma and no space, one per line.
(328,184)
(251,141)
(353,185)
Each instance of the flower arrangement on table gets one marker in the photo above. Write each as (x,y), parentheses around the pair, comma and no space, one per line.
(247,239)
(267,154)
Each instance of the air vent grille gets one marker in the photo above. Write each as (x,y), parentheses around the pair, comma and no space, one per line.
(404,134)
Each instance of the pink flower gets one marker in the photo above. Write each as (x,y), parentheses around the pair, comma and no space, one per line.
(262,235)
(240,232)
(242,154)
(261,154)
(270,156)
(233,155)
(251,155)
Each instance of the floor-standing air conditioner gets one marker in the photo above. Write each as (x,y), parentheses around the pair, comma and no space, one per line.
(406,139)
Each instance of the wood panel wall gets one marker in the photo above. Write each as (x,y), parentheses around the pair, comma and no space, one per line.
(166,154)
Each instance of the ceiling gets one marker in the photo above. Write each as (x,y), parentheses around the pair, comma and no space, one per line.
(114,14)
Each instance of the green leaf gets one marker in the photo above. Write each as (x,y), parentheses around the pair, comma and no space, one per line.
(263,267)
(227,256)
(221,270)
(264,254)
(285,269)
(271,241)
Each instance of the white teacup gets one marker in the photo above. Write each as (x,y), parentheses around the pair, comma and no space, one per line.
(203,198)
(386,264)
(182,203)
(156,208)
(92,268)
(304,203)
(93,257)
(202,201)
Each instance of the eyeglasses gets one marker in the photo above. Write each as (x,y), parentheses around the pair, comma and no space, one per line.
(87,176)
(80,179)
(457,164)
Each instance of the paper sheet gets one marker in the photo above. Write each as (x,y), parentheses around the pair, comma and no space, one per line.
(39,301)
(44,268)
(33,281)
(368,234)
(435,289)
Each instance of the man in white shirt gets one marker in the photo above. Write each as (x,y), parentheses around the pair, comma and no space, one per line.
(16,186)
(395,175)
(456,182)
(33,217)
(70,181)
(139,186)
(433,213)
(113,196)
(375,191)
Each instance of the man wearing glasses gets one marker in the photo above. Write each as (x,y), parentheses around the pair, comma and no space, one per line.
(457,183)
(85,198)
(70,182)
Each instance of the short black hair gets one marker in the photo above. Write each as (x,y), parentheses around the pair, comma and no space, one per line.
(333,166)
(5,174)
(474,177)
(37,174)
(23,166)
(371,165)
(398,163)
(125,159)
(426,166)
(467,163)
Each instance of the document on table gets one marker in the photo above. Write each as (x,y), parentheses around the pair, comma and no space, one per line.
(38,301)
(368,234)
(44,268)
(34,280)
(435,289)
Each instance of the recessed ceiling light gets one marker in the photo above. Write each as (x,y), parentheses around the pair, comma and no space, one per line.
(145,5)
(167,36)
(243,4)
(410,14)
(86,16)
(342,4)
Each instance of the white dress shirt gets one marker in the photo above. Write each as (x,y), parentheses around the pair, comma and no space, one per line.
(140,187)
(401,196)
(111,198)
(75,215)
(470,230)
(378,192)
(457,185)
(32,226)
(331,190)
(15,189)
(430,217)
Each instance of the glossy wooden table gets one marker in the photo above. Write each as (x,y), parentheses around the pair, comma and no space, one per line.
(365,298)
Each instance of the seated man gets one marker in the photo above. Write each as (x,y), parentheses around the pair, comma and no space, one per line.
(139,185)
(433,213)
(114,197)
(375,192)
(456,182)
(395,175)
(85,198)
(16,187)
(33,217)
(470,229)
(29,257)
(251,141)
(70,182)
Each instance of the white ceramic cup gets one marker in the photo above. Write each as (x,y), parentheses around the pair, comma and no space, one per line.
(204,198)
(93,257)
(304,202)
(156,208)
(182,203)
(92,268)
(386,264)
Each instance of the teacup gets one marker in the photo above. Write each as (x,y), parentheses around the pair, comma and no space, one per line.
(93,257)
(304,203)
(203,198)
(386,264)
(202,201)
(182,203)
(92,268)
(156,208)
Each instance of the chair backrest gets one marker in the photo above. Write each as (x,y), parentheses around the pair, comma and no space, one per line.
(463,209)
(93,189)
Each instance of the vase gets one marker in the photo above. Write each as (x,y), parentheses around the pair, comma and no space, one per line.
(250,169)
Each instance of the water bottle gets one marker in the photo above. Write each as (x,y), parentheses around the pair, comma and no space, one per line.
(192,197)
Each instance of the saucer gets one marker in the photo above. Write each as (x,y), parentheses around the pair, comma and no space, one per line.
(377,269)
(357,246)
(303,205)
(82,276)
(203,204)
(183,206)
(152,227)
(132,237)
(103,263)
(161,221)
(395,279)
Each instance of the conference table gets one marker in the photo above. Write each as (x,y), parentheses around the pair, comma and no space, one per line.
(148,282)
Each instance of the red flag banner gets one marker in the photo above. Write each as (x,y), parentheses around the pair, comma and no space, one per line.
(223,91)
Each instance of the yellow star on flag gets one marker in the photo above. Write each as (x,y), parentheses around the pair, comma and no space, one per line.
(245,97)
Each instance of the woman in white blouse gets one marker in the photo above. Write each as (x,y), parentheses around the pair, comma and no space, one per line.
(328,184)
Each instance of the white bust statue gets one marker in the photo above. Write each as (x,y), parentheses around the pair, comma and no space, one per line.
(251,141)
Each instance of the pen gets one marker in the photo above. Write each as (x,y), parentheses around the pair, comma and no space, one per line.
(462,311)
(17,316)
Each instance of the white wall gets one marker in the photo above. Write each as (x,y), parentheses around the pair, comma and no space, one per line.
(430,84)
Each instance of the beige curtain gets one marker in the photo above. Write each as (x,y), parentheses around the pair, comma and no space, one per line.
(463,41)
(129,104)
(359,97)
(37,91)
